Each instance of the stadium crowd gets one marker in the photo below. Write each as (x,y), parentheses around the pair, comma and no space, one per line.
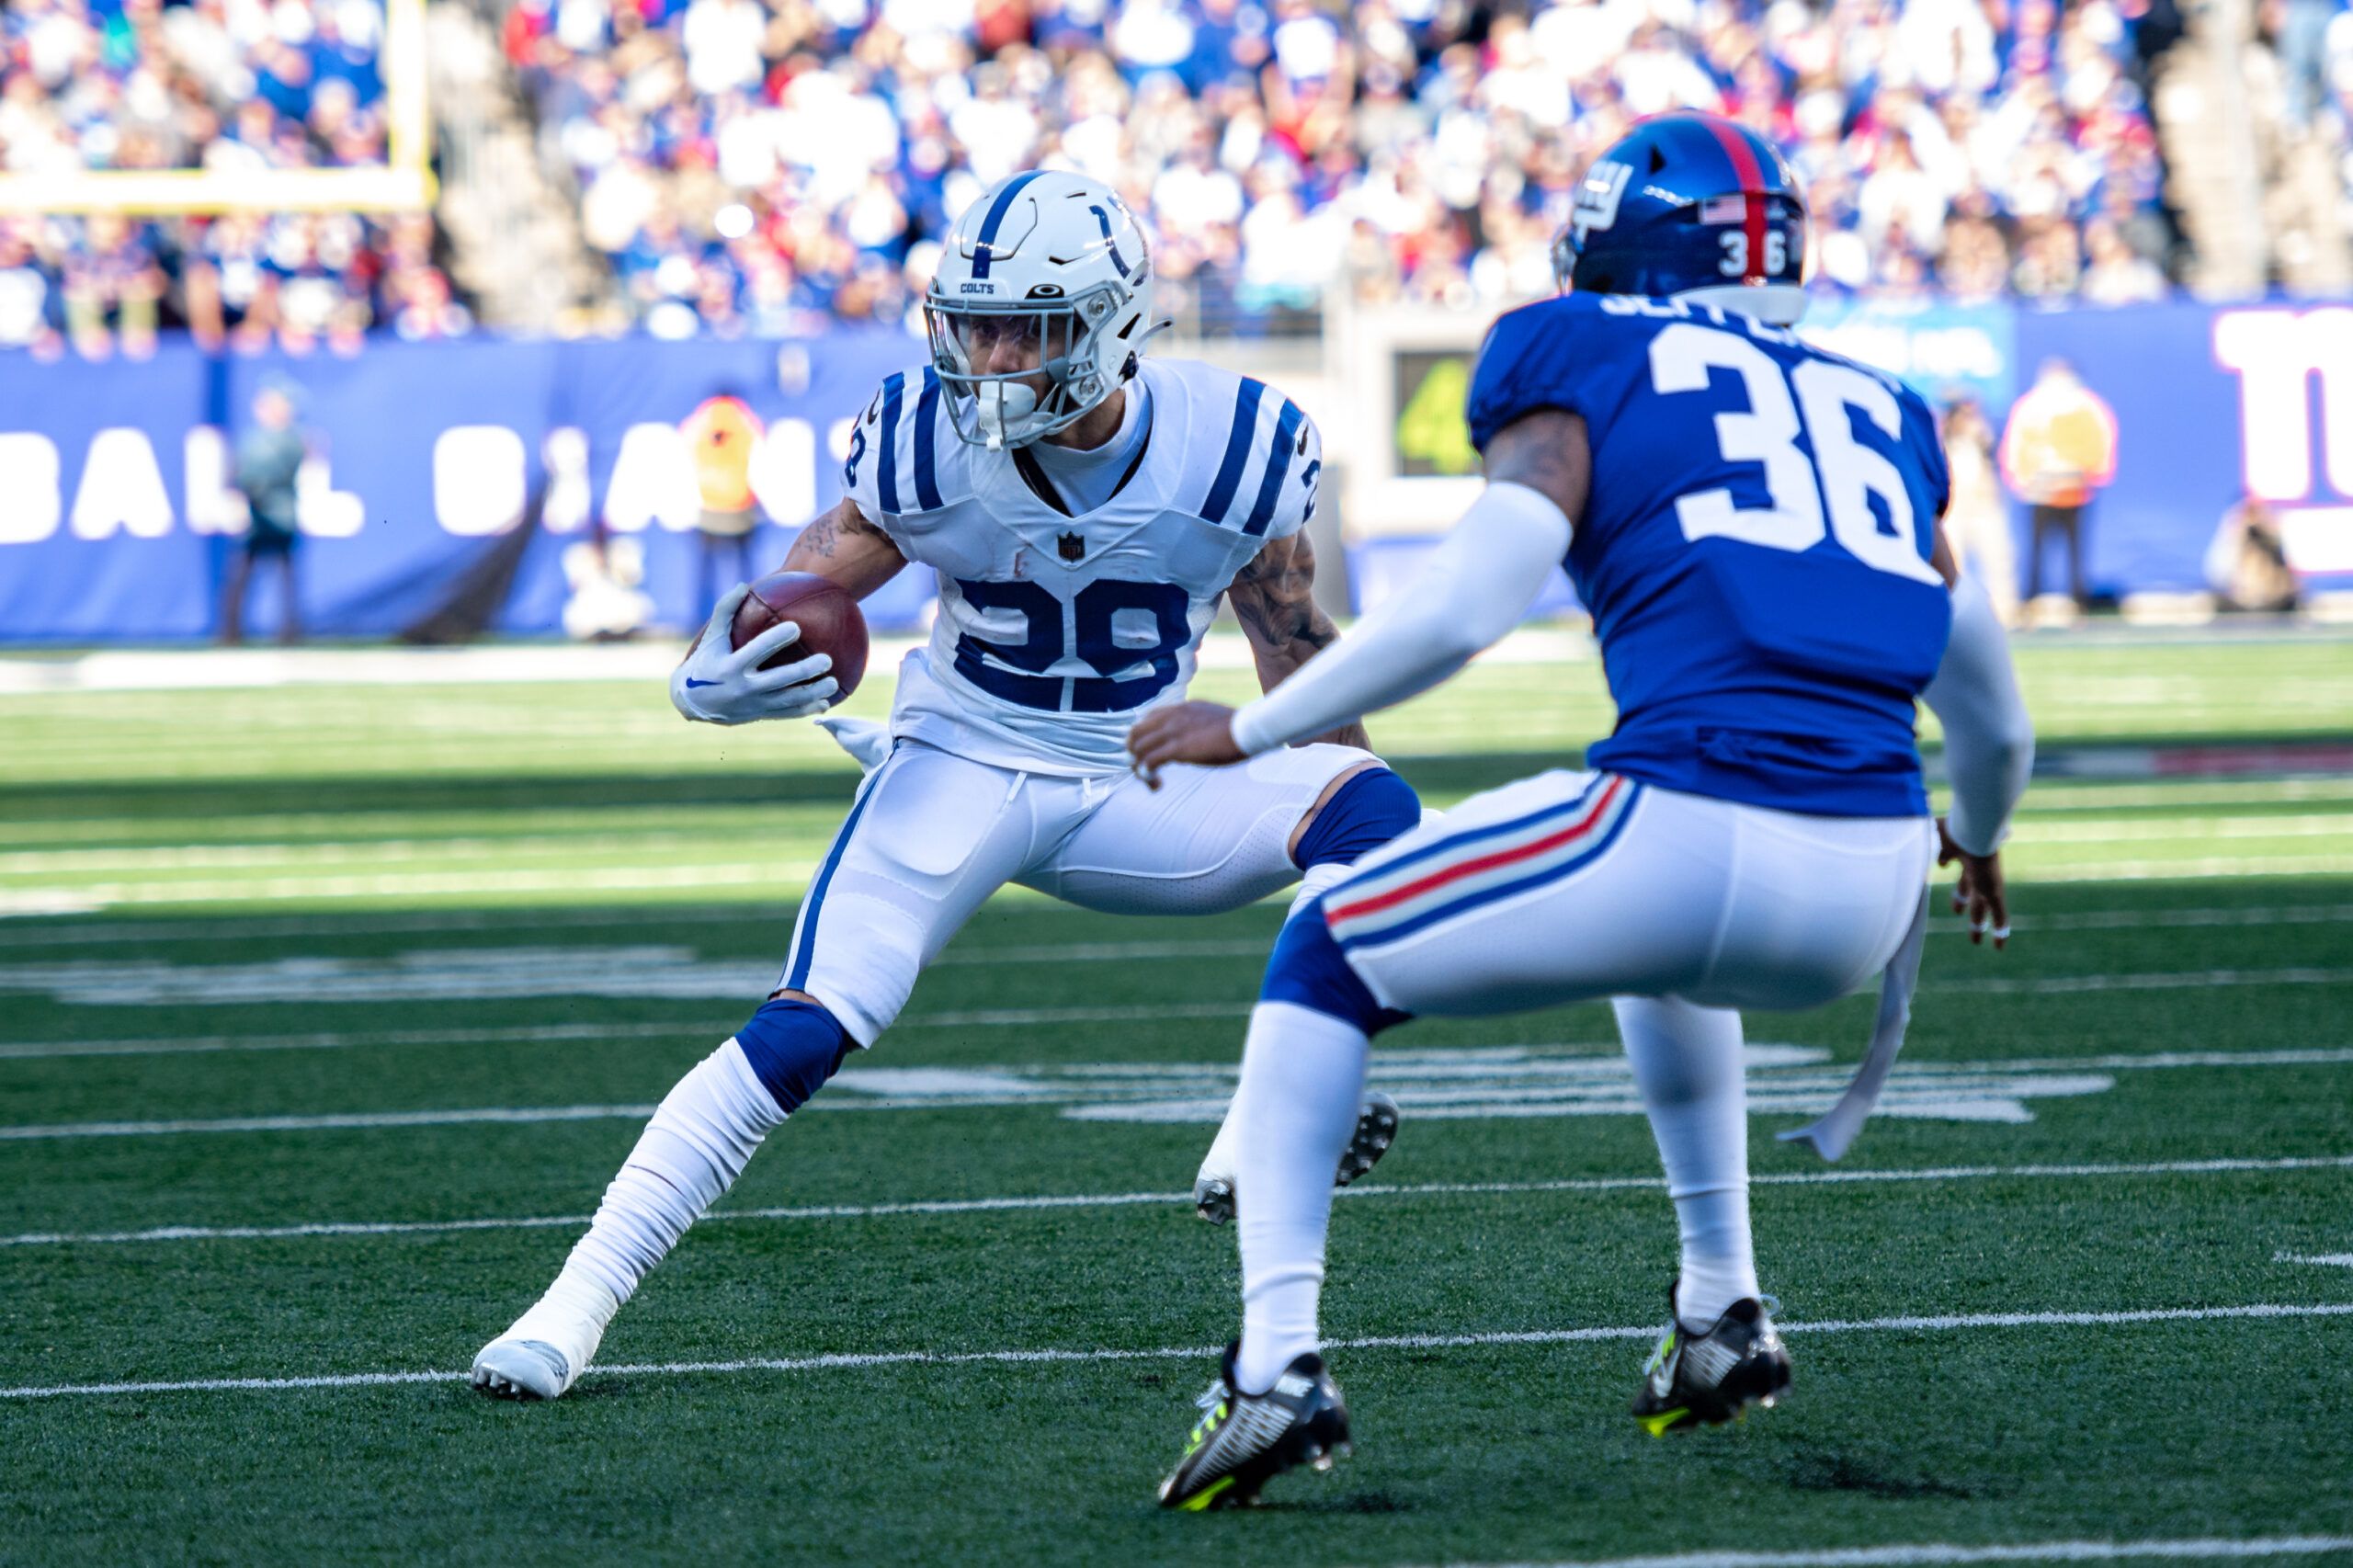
(748,164)
(213,85)
(766,165)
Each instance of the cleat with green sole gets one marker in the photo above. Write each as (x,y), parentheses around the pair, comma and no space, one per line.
(1243,1440)
(1707,1377)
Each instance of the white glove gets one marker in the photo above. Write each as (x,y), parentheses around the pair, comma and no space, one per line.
(864,739)
(719,685)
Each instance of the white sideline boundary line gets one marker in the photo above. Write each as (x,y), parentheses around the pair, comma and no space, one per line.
(253,927)
(1172,1200)
(841,1361)
(1933,1552)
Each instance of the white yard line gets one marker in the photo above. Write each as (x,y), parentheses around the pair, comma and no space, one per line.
(293,856)
(1956,1322)
(49,899)
(2184,979)
(1147,1199)
(526,921)
(1933,1552)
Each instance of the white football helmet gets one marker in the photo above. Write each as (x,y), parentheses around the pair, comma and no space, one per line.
(1048,258)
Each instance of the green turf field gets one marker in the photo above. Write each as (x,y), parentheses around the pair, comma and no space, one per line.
(329,1010)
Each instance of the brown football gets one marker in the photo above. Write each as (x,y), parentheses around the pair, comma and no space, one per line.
(827,616)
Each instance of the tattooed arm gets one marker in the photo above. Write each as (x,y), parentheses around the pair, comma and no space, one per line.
(1273,597)
(1478,583)
(844,546)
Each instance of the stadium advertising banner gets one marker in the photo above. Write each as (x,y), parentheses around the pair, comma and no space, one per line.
(117,518)
(2213,403)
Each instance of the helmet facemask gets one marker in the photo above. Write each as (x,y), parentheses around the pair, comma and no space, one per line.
(1061,338)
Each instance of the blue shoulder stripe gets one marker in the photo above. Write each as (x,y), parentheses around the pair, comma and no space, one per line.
(926,469)
(984,244)
(1270,489)
(1237,452)
(886,478)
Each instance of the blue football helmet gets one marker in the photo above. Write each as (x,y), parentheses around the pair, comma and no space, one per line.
(1694,205)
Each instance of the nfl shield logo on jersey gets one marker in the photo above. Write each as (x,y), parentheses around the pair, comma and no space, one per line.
(1073,548)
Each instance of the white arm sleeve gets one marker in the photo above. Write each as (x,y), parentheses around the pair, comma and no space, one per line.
(1989,740)
(1478,582)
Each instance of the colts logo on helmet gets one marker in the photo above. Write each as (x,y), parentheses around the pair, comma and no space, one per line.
(1598,198)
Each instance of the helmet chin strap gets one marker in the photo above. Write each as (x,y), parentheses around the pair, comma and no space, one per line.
(999,406)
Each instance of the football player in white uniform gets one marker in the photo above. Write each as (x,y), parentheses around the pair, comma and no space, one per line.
(1086,508)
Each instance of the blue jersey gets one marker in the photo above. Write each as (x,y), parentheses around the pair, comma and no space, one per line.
(1755,550)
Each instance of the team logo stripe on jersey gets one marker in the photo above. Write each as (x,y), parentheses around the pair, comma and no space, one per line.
(886,477)
(1270,488)
(1237,452)
(1391,902)
(805,951)
(927,467)
(984,244)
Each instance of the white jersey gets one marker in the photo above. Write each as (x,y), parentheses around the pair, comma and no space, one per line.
(1056,631)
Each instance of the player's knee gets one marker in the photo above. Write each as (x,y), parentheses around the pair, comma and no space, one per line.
(1309,970)
(1365,812)
(793,1048)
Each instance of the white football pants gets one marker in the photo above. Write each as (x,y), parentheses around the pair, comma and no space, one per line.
(932,835)
(1568,887)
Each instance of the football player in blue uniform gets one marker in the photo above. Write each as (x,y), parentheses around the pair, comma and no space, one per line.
(1086,509)
(1752,523)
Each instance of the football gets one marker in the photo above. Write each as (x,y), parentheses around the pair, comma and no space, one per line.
(827,616)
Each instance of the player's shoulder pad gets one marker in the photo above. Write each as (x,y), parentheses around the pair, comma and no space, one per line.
(904,455)
(1254,458)
(1551,354)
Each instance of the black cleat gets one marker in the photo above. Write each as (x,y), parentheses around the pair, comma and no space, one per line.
(1708,1378)
(1376,1131)
(1243,1440)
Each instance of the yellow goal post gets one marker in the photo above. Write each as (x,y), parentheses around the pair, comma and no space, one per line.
(403,183)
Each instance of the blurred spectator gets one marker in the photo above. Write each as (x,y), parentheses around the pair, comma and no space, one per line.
(2303,27)
(1977,520)
(220,85)
(722,432)
(269,465)
(605,572)
(2247,563)
(748,164)
(1411,152)
(2058,451)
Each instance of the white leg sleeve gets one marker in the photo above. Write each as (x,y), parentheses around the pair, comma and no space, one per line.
(1686,1064)
(1303,1078)
(691,1152)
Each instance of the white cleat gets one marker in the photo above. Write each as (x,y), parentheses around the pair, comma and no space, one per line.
(1376,1131)
(543,1352)
(508,1367)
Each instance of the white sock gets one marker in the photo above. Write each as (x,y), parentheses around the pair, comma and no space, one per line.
(1303,1078)
(697,1144)
(1224,1161)
(1686,1062)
